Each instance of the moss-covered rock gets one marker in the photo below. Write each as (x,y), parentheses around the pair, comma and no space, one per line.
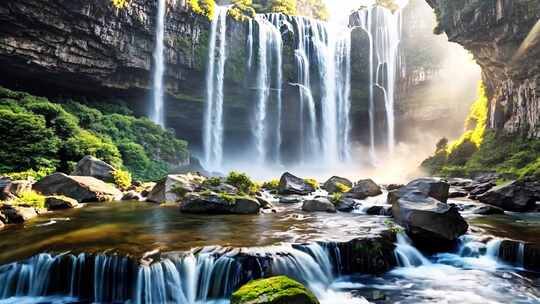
(275,290)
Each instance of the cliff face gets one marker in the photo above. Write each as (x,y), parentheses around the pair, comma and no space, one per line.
(504,37)
(91,49)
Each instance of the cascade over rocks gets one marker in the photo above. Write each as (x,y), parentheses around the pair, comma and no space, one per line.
(82,188)
(290,184)
(518,196)
(421,208)
(520,254)
(91,166)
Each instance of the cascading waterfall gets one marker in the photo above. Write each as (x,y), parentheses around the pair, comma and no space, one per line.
(157,114)
(384,31)
(213,118)
(200,276)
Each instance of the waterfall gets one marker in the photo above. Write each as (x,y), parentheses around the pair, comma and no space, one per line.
(406,254)
(213,118)
(158,115)
(200,276)
(384,31)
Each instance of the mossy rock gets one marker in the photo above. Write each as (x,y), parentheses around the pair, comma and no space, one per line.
(275,290)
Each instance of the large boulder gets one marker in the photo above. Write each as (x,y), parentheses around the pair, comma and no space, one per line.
(174,187)
(363,189)
(5,189)
(81,188)
(319,204)
(20,186)
(347,204)
(428,220)
(60,203)
(334,183)
(91,166)
(517,196)
(431,187)
(274,290)
(213,203)
(17,214)
(290,184)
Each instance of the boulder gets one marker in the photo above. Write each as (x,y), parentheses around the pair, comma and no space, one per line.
(488,210)
(460,182)
(518,196)
(379,210)
(431,187)
(392,187)
(290,184)
(428,220)
(332,184)
(274,290)
(319,204)
(347,204)
(520,254)
(5,189)
(91,166)
(457,193)
(213,203)
(174,187)
(81,188)
(479,189)
(60,203)
(291,199)
(17,214)
(18,187)
(363,189)
(132,195)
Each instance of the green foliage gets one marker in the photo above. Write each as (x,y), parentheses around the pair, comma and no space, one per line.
(40,136)
(287,7)
(212,182)
(462,153)
(120,3)
(31,174)
(272,185)
(122,179)
(30,198)
(241,10)
(312,182)
(272,290)
(342,188)
(336,197)
(243,183)
(203,7)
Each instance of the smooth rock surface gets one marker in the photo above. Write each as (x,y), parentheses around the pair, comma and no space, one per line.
(91,166)
(518,196)
(363,189)
(331,185)
(290,184)
(213,203)
(173,187)
(17,214)
(319,204)
(82,188)
(60,203)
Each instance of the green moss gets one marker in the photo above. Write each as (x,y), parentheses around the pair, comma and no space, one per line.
(312,182)
(342,188)
(275,290)
(212,182)
(336,197)
(243,183)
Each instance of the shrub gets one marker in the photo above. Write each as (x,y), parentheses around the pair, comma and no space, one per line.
(242,10)
(122,179)
(462,153)
(30,198)
(120,3)
(203,7)
(336,197)
(212,182)
(242,182)
(31,174)
(272,185)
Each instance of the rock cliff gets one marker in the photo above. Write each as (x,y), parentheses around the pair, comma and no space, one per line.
(504,37)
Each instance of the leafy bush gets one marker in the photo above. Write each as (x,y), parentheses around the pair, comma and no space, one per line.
(242,182)
(31,174)
(122,179)
(212,182)
(30,198)
(241,10)
(272,185)
(203,7)
(40,135)
(336,197)
(120,3)
(287,7)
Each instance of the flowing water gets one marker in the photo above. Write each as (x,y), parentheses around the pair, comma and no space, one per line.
(157,114)
(105,253)
(213,117)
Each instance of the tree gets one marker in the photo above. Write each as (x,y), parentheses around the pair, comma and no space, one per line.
(313,8)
